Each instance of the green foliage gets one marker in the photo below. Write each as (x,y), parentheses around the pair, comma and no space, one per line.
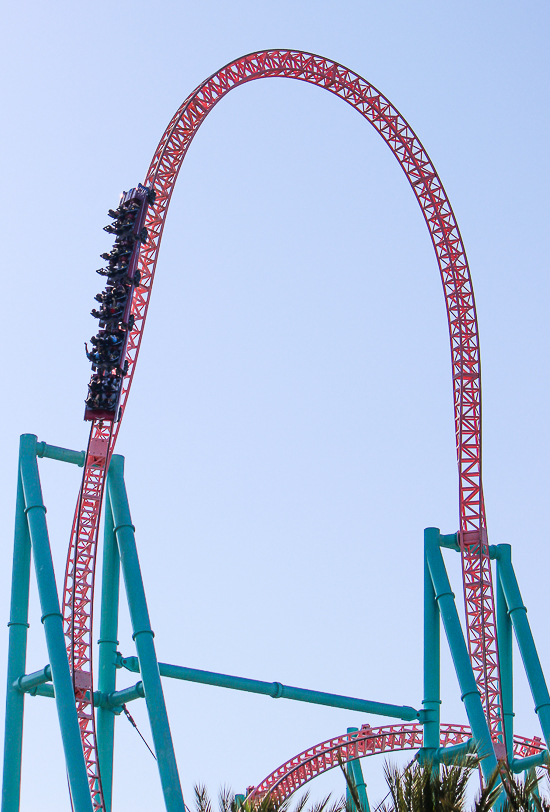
(229,802)
(423,788)
(417,788)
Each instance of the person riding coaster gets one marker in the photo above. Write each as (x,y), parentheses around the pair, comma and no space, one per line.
(114,294)
(115,269)
(117,253)
(123,228)
(104,357)
(108,313)
(108,339)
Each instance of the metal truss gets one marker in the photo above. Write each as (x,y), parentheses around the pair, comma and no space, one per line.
(466,372)
(435,743)
(368,741)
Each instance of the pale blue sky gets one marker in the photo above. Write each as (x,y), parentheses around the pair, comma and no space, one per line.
(290,430)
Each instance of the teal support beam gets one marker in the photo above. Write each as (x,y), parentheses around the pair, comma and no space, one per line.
(452,754)
(108,644)
(29,681)
(520,765)
(524,637)
(53,626)
(119,698)
(17,657)
(504,637)
(278,691)
(54,452)
(355,773)
(450,541)
(46,690)
(459,652)
(432,657)
(531,776)
(143,636)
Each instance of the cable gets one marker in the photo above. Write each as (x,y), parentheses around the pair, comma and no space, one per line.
(132,722)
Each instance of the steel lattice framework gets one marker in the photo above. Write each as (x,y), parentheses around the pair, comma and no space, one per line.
(459,297)
(368,741)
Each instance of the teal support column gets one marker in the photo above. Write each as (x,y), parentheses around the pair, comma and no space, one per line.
(459,652)
(355,773)
(53,626)
(531,775)
(17,657)
(524,637)
(108,643)
(143,636)
(432,652)
(504,637)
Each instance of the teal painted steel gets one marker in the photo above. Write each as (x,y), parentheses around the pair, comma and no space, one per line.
(278,691)
(17,656)
(450,541)
(449,755)
(108,644)
(46,690)
(53,625)
(524,637)
(54,452)
(143,636)
(459,652)
(538,760)
(505,652)
(29,681)
(356,774)
(118,698)
(432,657)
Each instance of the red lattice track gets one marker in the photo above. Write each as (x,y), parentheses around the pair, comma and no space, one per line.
(462,320)
(368,741)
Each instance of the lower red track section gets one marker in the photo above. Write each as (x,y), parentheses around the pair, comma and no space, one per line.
(368,741)
(466,373)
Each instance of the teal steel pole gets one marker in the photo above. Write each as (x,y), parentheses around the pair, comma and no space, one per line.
(459,652)
(277,690)
(17,656)
(524,637)
(356,774)
(451,754)
(53,626)
(108,643)
(432,657)
(54,452)
(505,655)
(520,765)
(143,636)
(29,681)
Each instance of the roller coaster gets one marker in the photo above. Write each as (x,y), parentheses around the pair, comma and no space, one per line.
(87,708)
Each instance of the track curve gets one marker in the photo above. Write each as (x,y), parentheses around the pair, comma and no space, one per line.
(368,741)
(466,372)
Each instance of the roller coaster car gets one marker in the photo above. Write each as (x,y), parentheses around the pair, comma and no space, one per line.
(115,317)
(104,392)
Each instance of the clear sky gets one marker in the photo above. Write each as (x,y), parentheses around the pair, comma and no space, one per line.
(290,430)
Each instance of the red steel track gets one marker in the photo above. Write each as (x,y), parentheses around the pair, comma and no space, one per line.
(459,297)
(368,741)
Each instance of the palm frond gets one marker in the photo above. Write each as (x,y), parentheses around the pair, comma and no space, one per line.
(202,799)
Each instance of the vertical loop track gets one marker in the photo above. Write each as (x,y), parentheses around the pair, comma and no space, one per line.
(466,371)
